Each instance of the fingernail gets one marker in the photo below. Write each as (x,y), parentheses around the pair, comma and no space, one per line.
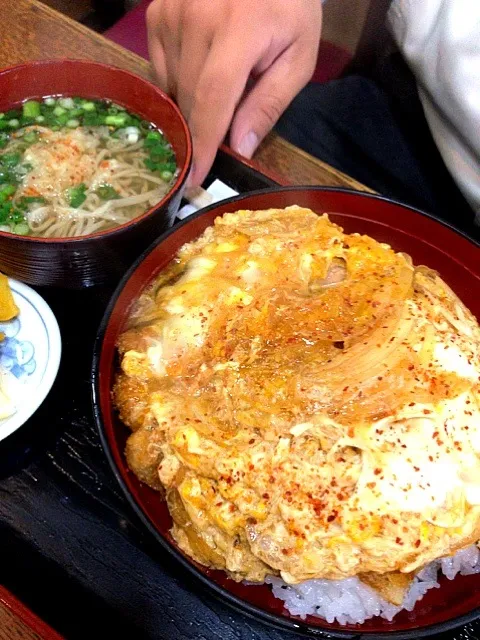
(248,144)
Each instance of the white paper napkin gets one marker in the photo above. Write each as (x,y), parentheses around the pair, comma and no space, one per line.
(199,198)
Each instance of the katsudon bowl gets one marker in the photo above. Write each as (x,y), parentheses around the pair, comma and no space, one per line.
(104,255)
(428,242)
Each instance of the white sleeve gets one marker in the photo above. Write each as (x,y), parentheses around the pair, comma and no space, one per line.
(440,40)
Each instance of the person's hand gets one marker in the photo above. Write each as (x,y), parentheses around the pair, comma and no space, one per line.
(206,52)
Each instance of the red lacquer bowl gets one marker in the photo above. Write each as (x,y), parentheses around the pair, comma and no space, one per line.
(405,229)
(102,256)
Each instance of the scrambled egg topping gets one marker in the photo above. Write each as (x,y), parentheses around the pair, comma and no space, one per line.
(308,400)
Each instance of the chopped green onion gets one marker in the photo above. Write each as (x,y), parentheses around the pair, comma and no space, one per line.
(50,102)
(151,166)
(21,229)
(2,115)
(10,159)
(77,195)
(116,120)
(6,191)
(31,137)
(5,210)
(31,109)
(159,154)
(4,138)
(106,192)
(130,134)
(88,106)
(26,200)
(166,175)
(73,123)
(59,111)
(22,169)
(153,136)
(62,119)
(25,122)
(66,103)
(40,118)
(14,123)
(16,216)
(154,165)
(10,215)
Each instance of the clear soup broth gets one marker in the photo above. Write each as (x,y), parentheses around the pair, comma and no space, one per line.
(72,167)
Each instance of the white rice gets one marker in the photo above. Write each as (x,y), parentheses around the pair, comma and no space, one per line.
(351,601)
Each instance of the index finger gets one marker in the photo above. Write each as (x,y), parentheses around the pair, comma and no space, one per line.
(155,45)
(218,91)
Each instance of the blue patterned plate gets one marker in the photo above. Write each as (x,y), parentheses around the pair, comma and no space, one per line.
(29,358)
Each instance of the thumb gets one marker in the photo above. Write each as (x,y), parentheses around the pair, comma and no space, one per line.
(270,96)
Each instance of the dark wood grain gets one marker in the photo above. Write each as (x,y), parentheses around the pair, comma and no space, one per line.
(12,627)
(17,622)
(301,167)
(30,30)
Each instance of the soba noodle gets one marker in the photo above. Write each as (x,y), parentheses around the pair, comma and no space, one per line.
(77,180)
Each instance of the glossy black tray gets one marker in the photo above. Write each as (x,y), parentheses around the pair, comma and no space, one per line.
(70,546)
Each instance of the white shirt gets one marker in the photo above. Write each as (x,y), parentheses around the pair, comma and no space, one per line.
(440,40)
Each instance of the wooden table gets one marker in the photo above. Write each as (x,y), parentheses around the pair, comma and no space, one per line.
(30,30)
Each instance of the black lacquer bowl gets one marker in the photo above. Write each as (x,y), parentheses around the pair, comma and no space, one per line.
(428,242)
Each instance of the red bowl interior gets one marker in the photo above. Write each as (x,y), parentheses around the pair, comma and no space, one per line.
(87,79)
(428,242)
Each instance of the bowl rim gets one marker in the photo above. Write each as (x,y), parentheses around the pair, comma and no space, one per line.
(180,180)
(53,336)
(254,612)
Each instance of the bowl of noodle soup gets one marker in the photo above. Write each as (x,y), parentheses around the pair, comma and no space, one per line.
(93,164)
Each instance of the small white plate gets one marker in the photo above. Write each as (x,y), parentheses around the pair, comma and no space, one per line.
(29,356)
